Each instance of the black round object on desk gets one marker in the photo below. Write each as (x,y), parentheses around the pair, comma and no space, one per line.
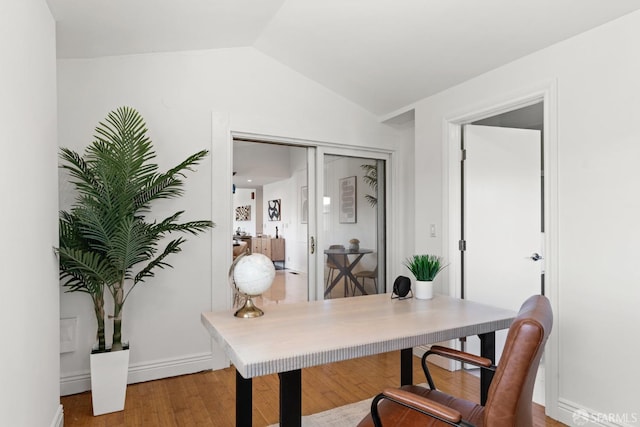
(402,286)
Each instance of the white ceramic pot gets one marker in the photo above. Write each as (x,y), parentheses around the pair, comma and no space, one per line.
(109,381)
(423,289)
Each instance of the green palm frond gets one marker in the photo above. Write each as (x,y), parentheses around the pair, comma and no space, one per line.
(83,270)
(370,175)
(131,245)
(372,200)
(168,185)
(191,227)
(84,180)
(172,247)
(371,178)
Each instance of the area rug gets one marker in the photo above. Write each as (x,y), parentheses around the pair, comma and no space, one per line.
(343,416)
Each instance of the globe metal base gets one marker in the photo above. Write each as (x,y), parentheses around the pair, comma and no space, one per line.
(249,310)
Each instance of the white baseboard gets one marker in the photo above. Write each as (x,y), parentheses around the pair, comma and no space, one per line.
(75,383)
(573,414)
(78,383)
(58,418)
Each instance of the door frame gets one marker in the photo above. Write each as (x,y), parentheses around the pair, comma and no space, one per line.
(545,92)
(321,148)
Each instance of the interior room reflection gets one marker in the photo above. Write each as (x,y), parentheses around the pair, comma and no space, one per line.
(271,214)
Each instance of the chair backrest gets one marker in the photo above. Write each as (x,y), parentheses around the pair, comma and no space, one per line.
(341,261)
(511,391)
(367,273)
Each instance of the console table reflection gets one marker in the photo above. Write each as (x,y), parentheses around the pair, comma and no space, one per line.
(271,247)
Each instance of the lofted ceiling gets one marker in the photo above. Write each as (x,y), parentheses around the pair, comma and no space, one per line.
(381,54)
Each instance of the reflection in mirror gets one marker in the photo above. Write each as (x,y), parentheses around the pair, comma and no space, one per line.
(353,226)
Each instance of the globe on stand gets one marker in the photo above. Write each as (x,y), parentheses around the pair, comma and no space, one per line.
(250,276)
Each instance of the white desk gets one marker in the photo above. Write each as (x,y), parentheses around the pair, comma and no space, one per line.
(290,337)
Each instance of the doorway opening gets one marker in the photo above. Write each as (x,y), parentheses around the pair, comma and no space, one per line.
(530,117)
(319,213)
(502,214)
(270,213)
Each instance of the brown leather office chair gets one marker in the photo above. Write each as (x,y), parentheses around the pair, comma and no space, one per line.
(510,394)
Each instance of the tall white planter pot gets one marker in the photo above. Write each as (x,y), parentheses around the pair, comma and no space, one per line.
(109,381)
(424,289)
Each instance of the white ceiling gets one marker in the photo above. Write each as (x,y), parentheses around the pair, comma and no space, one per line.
(380,54)
(257,164)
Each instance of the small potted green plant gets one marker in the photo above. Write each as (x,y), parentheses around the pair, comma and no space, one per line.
(425,268)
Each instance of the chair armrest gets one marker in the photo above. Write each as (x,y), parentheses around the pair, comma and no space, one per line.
(454,354)
(417,403)
(461,356)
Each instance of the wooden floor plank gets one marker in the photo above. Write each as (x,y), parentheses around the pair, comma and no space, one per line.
(208,398)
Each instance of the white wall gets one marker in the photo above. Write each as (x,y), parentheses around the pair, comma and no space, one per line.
(242,197)
(405,203)
(285,191)
(177,94)
(597,289)
(290,227)
(365,227)
(29,364)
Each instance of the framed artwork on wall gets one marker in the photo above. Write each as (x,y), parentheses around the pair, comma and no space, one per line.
(348,200)
(304,205)
(243,213)
(274,210)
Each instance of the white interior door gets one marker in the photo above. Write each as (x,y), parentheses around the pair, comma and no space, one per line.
(501,218)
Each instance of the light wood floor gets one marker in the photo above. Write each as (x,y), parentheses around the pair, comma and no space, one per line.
(208,398)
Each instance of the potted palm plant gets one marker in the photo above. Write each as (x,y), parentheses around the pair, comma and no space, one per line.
(425,268)
(106,241)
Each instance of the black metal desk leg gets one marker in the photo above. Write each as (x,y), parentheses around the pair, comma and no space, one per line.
(488,350)
(291,398)
(406,366)
(244,396)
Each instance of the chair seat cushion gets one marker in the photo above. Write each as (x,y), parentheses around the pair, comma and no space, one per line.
(393,414)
